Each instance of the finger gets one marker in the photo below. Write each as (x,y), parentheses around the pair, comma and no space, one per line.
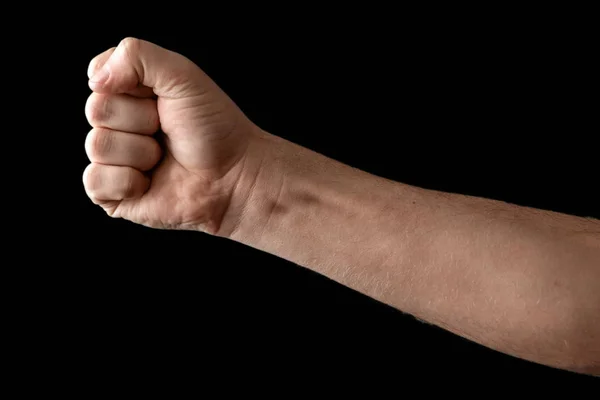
(109,182)
(142,92)
(136,62)
(122,113)
(99,61)
(105,146)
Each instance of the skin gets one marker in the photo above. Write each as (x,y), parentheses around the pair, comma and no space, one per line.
(519,280)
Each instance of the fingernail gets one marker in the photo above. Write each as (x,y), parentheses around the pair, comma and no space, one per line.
(100,77)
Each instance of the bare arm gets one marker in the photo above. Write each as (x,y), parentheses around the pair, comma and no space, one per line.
(522,281)
(525,282)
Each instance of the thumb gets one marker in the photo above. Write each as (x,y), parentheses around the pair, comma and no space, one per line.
(136,62)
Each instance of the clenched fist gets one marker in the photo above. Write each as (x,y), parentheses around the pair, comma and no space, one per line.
(167,147)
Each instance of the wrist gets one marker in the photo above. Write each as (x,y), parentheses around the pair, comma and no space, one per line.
(259,178)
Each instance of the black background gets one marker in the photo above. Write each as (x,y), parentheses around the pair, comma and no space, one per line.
(487,105)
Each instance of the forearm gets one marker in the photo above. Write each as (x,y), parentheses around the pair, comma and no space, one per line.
(522,281)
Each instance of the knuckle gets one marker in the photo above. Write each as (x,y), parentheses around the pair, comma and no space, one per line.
(130,45)
(111,210)
(92,179)
(99,143)
(155,152)
(92,66)
(97,109)
(154,120)
(98,61)
(128,186)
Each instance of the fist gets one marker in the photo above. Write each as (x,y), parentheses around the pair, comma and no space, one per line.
(167,147)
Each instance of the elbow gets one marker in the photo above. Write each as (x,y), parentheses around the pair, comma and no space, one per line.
(578,324)
(591,369)
(576,351)
(583,356)
(585,336)
(567,333)
(584,361)
(577,343)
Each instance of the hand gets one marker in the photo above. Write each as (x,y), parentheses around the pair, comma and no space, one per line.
(188,181)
